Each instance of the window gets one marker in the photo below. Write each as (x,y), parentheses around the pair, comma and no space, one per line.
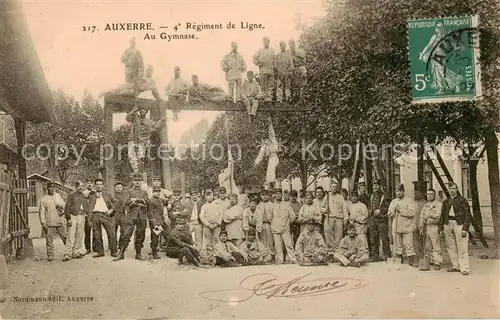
(32,193)
(397,174)
(428,176)
(466,192)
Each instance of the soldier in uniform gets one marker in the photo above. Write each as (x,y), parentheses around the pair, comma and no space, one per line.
(378,223)
(176,208)
(156,219)
(136,203)
(265,59)
(284,66)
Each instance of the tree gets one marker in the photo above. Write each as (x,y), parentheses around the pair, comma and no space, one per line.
(70,147)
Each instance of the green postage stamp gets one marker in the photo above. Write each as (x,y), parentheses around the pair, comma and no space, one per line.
(444,59)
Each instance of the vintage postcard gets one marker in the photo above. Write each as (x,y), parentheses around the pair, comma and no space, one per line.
(249,159)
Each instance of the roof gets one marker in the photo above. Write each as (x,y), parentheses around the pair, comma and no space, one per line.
(24,92)
(38,176)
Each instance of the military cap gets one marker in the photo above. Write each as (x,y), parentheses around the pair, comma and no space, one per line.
(251,231)
(277,190)
(234,195)
(223,232)
(377,181)
(155,188)
(400,187)
(222,190)
(177,192)
(362,183)
(194,191)
(118,182)
(137,176)
(354,193)
(264,192)
(51,184)
(293,193)
(157,178)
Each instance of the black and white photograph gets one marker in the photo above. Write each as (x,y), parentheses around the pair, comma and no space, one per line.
(249,159)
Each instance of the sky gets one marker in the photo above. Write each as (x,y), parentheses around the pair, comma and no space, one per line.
(75,60)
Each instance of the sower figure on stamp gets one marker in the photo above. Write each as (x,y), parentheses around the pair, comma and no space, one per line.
(402,210)
(176,90)
(429,219)
(442,79)
(352,251)
(75,211)
(310,248)
(299,77)
(51,211)
(284,67)
(254,249)
(136,204)
(101,214)
(251,92)
(234,65)
(180,245)
(265,59)
(137,151)
(378,223)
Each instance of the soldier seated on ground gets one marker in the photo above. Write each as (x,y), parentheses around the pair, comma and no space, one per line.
(255,250)
(227,254)
(180,244)
(352,251)
(310,248)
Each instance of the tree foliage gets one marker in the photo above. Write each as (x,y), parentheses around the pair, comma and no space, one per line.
(70,147)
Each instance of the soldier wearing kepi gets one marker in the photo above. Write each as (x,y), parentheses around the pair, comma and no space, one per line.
(402,210)
(156,220)
(177,209)
(378,223)
(265,59)
(136,204)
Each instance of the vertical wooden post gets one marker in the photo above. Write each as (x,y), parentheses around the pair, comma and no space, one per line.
(155,140)
(109,149)
(420,160)
(164,152)
(20,127)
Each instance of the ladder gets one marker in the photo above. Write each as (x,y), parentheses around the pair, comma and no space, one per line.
(444,177)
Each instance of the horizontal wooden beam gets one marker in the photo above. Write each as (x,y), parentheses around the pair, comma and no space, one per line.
(120,103)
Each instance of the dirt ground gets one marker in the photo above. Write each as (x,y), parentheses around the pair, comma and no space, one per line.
(162,289)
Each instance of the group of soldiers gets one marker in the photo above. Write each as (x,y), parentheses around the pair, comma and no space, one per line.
(276,226)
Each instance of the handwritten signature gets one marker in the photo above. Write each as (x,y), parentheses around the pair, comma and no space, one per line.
(268,285)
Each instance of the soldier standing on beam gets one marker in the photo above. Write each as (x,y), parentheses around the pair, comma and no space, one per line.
(234,65)
(265,59)
(299,78)
(284,66)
